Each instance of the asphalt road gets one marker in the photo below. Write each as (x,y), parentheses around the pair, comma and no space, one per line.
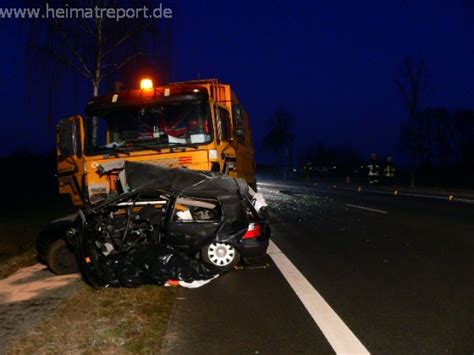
(398,273)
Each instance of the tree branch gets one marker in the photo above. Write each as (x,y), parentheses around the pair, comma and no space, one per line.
(74,51)
(125,37)
(119,66)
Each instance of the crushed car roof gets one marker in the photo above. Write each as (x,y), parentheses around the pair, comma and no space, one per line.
(181,180)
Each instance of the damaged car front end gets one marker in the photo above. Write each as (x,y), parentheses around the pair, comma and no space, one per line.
(169,224)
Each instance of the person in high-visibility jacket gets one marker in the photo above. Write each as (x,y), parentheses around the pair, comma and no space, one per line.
(373,169)
(389,171)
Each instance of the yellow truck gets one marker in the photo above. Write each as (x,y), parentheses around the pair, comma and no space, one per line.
(199,125)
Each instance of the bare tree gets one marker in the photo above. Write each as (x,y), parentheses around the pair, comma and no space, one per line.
(410,84)
(94,49)
(280,138)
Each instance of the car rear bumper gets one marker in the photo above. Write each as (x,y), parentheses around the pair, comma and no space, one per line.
(254,249)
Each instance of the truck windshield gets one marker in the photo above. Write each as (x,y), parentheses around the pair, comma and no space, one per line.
(184,123)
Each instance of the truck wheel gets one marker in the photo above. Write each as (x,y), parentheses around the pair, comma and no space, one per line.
(223,256)
(60,258)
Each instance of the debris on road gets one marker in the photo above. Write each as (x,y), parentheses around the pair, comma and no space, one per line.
(252,267)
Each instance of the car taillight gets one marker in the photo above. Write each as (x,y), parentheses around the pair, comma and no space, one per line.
(253,231)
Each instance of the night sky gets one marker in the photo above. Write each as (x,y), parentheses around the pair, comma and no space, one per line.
(330,64)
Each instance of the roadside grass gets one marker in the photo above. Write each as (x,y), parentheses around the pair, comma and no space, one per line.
(108,320)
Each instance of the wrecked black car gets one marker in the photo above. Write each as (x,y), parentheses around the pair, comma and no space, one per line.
(164,221)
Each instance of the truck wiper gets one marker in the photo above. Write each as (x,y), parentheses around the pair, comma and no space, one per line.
(187,145)
(115,147)
(117,151)
(148,146)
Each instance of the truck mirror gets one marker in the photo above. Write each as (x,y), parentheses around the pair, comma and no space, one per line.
(239,132)
(238,113)
(64,138)
(68,138)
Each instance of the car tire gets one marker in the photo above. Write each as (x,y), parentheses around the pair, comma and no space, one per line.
(221,255)
(61,259)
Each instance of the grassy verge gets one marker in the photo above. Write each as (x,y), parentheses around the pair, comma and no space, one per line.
(109,320)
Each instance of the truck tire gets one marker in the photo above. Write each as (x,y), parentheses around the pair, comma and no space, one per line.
(61,259)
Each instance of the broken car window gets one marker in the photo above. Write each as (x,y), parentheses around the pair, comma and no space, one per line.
(189,210)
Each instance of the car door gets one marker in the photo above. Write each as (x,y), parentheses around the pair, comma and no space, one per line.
(194,223)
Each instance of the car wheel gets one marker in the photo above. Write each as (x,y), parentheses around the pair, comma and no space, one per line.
(221,255)
(60,258)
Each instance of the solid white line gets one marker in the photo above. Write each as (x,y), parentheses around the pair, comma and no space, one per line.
(337,333)
(366,208)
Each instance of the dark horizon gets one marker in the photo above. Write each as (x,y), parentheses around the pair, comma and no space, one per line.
(331,66)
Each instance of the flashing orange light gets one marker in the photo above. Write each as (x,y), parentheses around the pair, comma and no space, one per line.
(146,84)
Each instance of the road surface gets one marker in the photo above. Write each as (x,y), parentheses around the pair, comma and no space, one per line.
(348,272)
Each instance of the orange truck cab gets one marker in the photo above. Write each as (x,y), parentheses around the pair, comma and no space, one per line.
(198,125)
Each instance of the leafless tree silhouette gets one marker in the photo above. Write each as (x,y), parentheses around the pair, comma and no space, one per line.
(411,85)
(279,138)
(93,50)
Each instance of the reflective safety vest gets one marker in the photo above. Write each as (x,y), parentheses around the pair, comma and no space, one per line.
(389,171)
(374,169)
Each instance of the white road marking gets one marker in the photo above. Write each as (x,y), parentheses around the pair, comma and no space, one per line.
(337,333)
(366,208)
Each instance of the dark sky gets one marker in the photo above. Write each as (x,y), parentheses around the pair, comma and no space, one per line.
(330,64)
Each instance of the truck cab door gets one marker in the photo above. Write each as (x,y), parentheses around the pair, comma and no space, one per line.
(70,145)
(243,136)
(227,144)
